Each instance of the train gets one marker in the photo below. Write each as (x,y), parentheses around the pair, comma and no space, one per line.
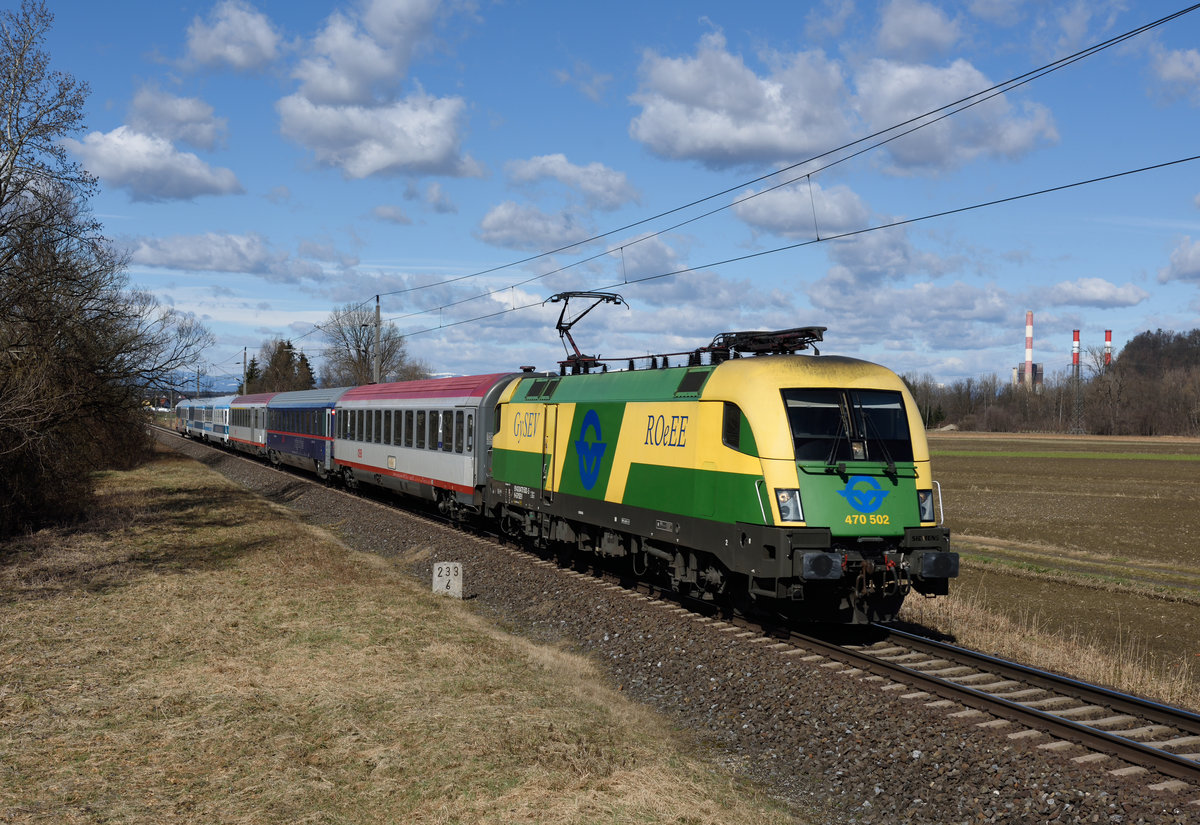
(795,487)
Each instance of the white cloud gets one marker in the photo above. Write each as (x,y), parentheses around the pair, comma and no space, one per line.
(439,200)
(999,12)
(603,188)
(155,112)
(890,93)
(515,226)
(419,134)
(236,35)
(912,29)
(221,252)
(1095,292)
(645,256)
(150,167)
(347,65)
(829,19)
(713,108)
(1178,70)
(391,214)
(1184,264)
(716,109)
(868,260)
(348,109)
(789,211)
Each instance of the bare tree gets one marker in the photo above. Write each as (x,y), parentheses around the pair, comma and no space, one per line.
(78,348)
(350,335)
(38,108)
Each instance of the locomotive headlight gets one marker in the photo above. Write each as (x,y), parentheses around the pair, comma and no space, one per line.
(925,504)
(789,505)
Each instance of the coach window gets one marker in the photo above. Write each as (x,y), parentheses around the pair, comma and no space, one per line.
(420,429)
(387,426)
(459,440)
(447,431)
(408,428)
(470,433)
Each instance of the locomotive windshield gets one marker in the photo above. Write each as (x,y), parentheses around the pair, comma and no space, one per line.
(834,425)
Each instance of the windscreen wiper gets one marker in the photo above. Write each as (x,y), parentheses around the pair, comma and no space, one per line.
(840,466)
(871,426)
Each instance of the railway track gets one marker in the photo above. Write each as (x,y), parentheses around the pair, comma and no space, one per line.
(1144,734)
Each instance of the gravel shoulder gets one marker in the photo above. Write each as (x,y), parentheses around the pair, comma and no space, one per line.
(819,739)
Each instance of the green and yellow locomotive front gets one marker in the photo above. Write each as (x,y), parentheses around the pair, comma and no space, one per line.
(793,483)
(844,455)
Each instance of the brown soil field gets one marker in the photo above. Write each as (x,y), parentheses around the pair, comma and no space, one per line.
(1095,540)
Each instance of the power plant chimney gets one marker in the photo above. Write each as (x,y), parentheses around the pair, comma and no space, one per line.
(1107,349)
(1029,349)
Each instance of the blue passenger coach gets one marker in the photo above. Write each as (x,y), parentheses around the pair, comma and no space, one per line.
(206,419)
(300,429)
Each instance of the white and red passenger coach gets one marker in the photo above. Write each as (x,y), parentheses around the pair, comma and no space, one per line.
(423,438)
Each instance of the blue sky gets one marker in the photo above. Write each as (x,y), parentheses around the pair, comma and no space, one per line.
(265,162)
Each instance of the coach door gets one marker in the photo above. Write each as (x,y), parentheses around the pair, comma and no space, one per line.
(549,436)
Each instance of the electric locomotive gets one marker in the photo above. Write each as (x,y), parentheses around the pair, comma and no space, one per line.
(795,486)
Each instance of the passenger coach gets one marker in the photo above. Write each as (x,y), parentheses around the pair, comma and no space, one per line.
(427,439)
(206,419)
(248,423)
(300,429)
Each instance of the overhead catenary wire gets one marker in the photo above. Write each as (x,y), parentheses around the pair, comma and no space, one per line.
(836,237)
(892,133)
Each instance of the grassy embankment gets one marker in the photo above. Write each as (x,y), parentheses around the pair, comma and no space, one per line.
(194,654)
(1079,554)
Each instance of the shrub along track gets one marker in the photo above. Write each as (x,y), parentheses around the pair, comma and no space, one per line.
(816,734)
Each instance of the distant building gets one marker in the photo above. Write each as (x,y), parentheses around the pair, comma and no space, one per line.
(1018,376)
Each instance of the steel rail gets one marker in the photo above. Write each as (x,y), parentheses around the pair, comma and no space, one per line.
(1129,750)
(1095,739)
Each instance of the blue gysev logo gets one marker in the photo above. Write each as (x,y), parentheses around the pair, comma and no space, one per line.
(864,494)
(590,452)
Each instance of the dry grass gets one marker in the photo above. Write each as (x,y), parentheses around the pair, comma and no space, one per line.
(1079,554)
(194,654)
(1124,662)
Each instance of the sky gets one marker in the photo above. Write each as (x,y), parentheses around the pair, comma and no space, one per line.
(264,162)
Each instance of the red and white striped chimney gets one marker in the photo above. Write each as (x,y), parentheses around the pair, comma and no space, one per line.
(1075,354)
(1107,348)
(1029,349)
